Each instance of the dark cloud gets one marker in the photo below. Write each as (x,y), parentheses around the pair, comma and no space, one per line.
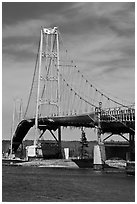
(20,49)
(20,56)
(112,65)
(122,31)
(13,12)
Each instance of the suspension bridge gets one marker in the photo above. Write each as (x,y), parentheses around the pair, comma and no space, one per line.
(61,95)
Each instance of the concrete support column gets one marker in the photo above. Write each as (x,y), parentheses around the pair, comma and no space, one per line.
(131,137)
(131,146)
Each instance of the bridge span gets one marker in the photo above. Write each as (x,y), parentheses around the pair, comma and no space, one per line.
(86,120)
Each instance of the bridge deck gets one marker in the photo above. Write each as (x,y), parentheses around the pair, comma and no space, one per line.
(85,120)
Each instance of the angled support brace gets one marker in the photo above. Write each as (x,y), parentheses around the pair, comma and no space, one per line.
(53,136)
(42,133)
(108,137)
(124,137)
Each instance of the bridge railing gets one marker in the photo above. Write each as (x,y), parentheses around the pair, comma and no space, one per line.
(118,115)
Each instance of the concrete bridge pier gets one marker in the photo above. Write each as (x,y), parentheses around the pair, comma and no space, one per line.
(99,156)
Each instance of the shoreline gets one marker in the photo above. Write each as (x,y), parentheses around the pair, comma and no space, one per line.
(61,163)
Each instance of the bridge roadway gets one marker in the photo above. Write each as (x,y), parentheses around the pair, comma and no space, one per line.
(109,124)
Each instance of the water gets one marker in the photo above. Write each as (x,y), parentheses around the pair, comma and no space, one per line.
(25,184)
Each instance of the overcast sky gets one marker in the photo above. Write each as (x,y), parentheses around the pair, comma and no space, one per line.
(100,38)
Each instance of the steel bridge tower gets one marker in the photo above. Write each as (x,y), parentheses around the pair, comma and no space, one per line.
(48,81)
